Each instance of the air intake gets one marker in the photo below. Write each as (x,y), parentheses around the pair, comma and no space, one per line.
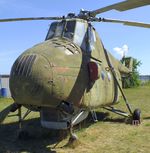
(23,65)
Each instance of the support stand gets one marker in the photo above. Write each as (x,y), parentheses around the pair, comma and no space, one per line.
(117,111)
(124,97)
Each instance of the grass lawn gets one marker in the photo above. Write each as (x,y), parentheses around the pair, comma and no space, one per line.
(111,135)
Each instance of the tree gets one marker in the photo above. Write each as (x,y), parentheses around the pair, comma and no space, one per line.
(133,79)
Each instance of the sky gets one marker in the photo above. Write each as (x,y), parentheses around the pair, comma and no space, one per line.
(16,37)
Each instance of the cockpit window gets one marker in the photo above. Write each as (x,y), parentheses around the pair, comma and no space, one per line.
(51,31)
(69,30)
(62,29)
(76,31)
(59,29)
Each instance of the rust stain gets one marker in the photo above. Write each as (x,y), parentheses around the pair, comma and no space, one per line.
(61,69)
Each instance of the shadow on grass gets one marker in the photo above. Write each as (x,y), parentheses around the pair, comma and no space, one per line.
(41,140)
(146,118)
(103,117)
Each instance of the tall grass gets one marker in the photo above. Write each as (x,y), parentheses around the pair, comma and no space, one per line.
(109,135)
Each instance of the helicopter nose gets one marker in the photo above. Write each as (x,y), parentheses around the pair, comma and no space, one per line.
(31,79)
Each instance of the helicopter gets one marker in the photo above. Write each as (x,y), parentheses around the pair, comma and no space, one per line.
(71,73)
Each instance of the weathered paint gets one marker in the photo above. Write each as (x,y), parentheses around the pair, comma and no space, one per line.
(59,72)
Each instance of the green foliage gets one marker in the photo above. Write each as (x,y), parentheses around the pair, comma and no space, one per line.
(133,79)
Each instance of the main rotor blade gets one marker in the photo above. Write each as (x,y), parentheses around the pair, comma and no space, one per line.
(30,19)
(129,23)
(122,6)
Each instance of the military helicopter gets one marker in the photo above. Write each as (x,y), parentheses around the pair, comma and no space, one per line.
(71,73)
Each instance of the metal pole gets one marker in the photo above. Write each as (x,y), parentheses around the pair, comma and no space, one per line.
(114,75)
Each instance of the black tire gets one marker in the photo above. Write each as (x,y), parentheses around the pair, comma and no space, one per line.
(137,114)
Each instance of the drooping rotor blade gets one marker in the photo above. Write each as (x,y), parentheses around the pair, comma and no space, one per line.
(30,19)
(128,23)
(122,6)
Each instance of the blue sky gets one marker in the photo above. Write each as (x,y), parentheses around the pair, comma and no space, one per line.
(15,37)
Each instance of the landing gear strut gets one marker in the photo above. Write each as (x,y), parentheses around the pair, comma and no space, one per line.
(73,140)
(22,134)
(73,136)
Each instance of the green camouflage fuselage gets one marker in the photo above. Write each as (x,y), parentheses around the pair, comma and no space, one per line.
(57,70)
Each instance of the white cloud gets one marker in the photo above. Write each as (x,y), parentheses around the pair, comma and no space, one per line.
(122,51)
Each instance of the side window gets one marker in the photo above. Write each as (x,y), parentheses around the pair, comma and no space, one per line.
(92,38)
(51,31)
(80,34)
(59,29)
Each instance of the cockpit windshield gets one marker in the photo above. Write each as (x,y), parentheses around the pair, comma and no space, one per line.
(72,30)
